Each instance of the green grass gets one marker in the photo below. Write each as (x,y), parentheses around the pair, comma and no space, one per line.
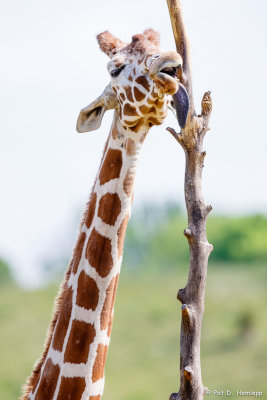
(24,319)
(143,360)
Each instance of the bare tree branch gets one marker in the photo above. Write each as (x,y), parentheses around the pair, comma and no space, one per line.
(192,296)
(182,46)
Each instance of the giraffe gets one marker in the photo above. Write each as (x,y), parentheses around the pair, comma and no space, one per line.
(143,84)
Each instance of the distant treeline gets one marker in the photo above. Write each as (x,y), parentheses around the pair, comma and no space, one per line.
(5,272)
(155,238)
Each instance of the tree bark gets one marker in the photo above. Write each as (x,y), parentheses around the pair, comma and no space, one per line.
(192,296)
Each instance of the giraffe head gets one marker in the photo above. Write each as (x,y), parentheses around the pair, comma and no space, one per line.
(144,82)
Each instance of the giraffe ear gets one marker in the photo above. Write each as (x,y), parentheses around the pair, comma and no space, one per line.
(90,117)
(109,44)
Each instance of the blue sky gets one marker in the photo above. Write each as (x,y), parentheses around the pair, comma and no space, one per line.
(51,67)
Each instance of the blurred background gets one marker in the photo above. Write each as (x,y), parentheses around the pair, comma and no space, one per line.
(51,67)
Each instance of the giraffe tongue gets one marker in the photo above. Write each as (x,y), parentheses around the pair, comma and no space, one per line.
(181,102)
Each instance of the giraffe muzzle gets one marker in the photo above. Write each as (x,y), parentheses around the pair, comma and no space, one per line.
(163,71)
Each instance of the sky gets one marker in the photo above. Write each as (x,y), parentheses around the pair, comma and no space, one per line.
(51,67)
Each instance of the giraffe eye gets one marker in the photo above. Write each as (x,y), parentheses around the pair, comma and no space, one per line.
(116,72)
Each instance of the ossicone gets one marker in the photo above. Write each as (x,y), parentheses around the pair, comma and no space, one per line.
(152,36)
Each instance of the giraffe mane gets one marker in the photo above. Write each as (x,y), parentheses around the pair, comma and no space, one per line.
(27,388)
(31,380)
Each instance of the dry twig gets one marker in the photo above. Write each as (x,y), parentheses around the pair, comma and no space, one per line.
(192,296)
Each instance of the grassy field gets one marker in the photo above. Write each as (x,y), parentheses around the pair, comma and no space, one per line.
(143,361)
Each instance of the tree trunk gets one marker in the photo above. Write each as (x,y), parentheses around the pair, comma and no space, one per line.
(192,296)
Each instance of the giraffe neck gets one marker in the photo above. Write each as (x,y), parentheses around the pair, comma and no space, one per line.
(73,364)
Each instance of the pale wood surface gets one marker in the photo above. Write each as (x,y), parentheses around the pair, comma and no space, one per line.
(193,295)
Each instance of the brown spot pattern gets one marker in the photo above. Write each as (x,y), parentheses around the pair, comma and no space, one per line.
(159,104)
(63,320)
(154,94)
(130,123)
(139,96)
(150,101)
(141,59)
(118,63)
(109,208)
(154,121)
(35,376)
(130,78)
(110,325)
(98,253)
(71,388)
(48,382)
(108,303)
(128,91)
(153,110)
(129,182)
(95,397)
(143,136)
(111,167)
(130,147)
(78,252)
(144,109)
(121,234)
(81,336)
(99,364)
(114,132)
(87,292)
(129,110)
(122,96)
(91,210)
(143,82)
(137,127)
